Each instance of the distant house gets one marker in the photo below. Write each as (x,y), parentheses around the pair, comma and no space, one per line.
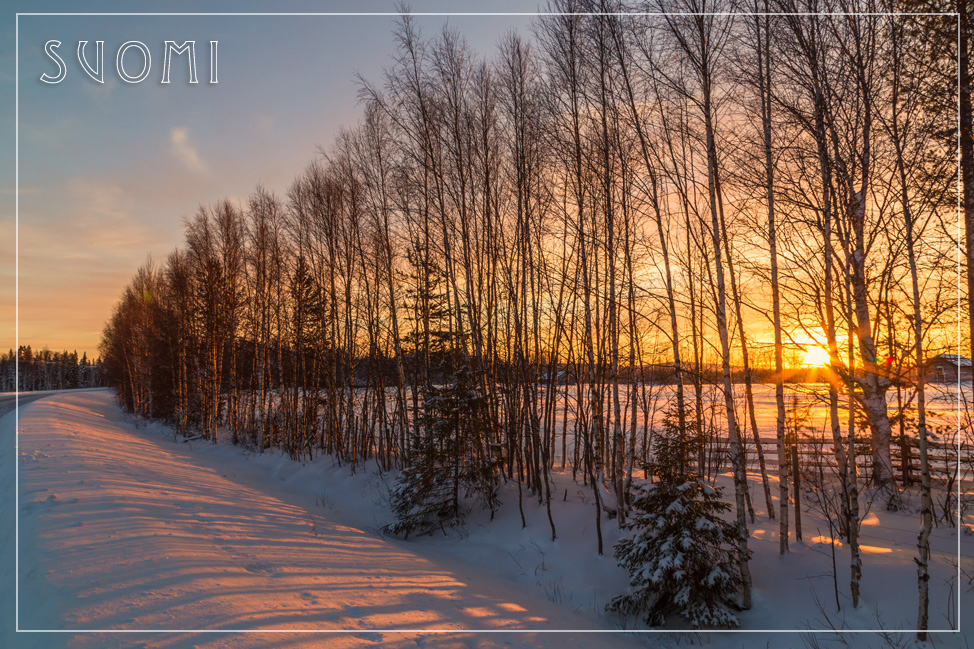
(946,368)
(558,378)
(563,376)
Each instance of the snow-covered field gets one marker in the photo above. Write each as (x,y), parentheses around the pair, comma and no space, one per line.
(944,402)
(123,527)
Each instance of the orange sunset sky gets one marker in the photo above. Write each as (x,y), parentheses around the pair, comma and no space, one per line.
(108,172)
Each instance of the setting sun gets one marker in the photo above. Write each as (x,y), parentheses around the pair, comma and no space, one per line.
(815,356)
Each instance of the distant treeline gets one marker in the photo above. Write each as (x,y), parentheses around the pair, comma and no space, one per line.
(47,370)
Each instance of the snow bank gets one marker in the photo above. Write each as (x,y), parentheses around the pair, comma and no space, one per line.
(129,528)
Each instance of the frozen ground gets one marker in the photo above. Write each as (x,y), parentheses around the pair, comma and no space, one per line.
(126,528)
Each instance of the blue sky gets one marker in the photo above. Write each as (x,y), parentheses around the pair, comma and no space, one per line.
(109,171)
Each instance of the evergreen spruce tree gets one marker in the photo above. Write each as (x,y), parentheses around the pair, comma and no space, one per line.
(446,461)
(83,378)
(680,555)
(444,469)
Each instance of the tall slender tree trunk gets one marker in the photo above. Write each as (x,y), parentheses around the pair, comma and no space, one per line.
(648,163)
(736,452)
(926,527)
(745,361)
(764,83)
(966,150)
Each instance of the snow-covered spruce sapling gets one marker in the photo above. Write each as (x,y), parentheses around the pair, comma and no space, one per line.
(680,553)
(446,463)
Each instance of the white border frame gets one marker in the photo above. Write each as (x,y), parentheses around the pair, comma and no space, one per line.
(955,15)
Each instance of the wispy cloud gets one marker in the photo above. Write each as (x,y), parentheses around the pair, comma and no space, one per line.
(97,199)
(185,151)
(101,91)
(101,218)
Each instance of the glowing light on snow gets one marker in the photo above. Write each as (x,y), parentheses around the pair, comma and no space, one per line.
(865,549)
(874,549)
(156,539)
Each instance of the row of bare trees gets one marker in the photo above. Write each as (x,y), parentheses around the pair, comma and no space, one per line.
(516,246)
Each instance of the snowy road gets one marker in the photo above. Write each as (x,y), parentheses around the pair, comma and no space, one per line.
(121,530)
(9,401)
